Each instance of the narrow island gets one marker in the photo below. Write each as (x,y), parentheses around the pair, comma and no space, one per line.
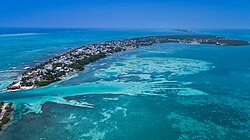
(55,69)
(6,110)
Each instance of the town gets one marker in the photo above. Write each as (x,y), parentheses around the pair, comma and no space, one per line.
(60,66)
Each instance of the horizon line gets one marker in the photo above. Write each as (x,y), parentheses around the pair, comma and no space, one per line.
(140,28)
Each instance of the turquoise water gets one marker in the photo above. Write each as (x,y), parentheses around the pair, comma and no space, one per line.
(164,91)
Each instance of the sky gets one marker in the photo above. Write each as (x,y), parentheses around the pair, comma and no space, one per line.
(188,14)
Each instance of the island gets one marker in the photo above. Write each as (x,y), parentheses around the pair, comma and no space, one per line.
(6,110)
(60,66)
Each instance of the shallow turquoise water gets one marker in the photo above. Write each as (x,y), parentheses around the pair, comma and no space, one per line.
(165,91)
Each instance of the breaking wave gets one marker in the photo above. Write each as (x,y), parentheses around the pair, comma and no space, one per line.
(19,34)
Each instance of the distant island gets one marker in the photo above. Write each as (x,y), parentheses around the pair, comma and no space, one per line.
(55,69)
(182,30)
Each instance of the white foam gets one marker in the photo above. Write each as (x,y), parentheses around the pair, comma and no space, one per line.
(74,103)
(35,108)
(20,34)
(107,115)
(190,92)
(72,116)
(111,99)
(124,110)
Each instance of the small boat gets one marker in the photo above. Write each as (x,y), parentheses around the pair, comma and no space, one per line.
(27,68)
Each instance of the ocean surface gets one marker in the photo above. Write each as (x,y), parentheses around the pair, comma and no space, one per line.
(159,92)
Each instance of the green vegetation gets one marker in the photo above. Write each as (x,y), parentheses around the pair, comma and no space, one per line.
(6,116)
(79,64)
(53,75)
(9,108)
(54,65)
(25,83)
(5,119)
(233,42)
(43,83)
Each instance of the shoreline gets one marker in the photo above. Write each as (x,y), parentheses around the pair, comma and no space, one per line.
(69,63)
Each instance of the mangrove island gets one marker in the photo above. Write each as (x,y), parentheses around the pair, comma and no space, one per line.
(5,113)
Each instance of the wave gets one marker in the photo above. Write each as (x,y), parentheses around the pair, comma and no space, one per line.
(19,34)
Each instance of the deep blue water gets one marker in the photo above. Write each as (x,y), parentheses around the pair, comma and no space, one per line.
(164,91)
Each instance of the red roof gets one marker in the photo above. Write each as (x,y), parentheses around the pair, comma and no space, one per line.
(14,87)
